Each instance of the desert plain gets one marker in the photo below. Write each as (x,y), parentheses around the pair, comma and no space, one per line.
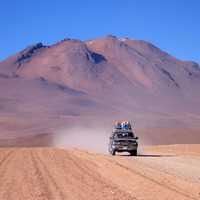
(158,172)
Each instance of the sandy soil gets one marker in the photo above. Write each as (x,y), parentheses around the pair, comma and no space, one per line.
(49,173)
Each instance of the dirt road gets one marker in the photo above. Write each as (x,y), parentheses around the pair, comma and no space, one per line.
(57,174)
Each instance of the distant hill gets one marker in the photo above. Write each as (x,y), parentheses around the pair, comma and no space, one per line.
(89,84)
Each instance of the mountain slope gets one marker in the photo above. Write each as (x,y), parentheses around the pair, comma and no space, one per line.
(91,83)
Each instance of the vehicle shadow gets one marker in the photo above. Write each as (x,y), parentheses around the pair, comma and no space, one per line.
(155,155)
(147,155)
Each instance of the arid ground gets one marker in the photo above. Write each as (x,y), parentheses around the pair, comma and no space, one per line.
(159,172)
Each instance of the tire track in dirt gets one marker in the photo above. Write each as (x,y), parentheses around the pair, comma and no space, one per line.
(153,180)
(112,168)
(46,178)
(45,191)
(5,187)
(80,177)
(167,166)
(5,158)
(58,174)
(89,169)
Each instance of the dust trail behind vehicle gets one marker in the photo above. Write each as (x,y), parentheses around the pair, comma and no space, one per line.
(87,138)
(83,138)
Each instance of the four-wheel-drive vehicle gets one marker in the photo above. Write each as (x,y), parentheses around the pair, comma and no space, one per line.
(123,139)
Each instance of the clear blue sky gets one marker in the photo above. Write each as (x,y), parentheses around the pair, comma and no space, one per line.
(172,25)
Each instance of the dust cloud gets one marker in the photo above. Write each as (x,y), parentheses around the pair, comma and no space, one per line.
(85,138)
(92,139)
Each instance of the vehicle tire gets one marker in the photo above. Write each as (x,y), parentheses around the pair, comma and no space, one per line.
(133,153)
(112,152)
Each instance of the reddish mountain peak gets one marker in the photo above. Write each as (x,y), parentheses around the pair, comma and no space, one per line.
(111,42)
(68,41)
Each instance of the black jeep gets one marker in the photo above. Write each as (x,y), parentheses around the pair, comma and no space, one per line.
(123,139)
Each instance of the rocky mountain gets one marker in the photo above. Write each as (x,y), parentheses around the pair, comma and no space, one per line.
(90,84)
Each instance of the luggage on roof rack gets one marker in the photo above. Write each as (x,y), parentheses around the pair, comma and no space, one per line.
(123,125)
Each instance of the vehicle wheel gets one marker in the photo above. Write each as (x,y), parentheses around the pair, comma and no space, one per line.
(133,153)
(112,152)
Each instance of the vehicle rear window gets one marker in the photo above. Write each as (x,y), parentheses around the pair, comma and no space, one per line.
(124,135)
